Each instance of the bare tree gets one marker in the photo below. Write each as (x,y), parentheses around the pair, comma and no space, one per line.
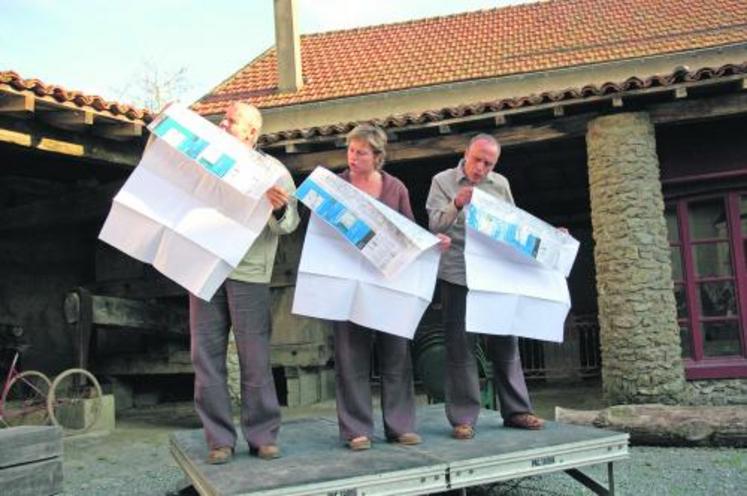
(152,86)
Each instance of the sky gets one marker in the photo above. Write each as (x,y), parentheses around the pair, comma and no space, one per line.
(102,47)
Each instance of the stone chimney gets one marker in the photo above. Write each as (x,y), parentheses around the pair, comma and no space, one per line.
(288,46)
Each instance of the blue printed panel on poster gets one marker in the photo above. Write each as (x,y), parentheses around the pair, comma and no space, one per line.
(336,214)
(193,146)
(501,230)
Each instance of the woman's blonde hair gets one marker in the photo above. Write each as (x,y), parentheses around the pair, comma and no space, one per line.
(374,136)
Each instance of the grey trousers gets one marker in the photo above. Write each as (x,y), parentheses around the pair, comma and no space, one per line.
(353,368)
(245,307)
(462,386)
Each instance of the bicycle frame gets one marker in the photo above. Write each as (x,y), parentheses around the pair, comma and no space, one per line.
(12,372)
(25,406)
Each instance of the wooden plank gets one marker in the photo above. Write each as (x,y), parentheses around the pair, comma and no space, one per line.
(126,313)
(41,478)
(63,147)
(118,130)
(67,118)
(698,109)
(36,133)
(16,103)
(24,444)
(15,138)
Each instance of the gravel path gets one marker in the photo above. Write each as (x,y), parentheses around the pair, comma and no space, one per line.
(135,460)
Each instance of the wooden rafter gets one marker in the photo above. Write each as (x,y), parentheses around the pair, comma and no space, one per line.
(21,104)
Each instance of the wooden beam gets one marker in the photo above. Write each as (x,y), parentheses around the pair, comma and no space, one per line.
(113,312)
(123,130)
(35,133)
(15,138)
(17,103)
(699,109)
(63,147)
(449,145)
(291,148)
(67,118)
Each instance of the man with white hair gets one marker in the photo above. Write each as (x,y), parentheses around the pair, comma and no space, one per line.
(242,303)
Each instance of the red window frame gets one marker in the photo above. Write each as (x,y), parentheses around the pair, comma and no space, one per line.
(699,366)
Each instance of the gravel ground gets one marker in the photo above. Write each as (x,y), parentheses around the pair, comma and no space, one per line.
(135,460)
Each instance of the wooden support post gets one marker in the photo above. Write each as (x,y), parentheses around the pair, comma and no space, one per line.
(78,309)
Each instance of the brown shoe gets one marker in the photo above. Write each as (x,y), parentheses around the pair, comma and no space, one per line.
(463,432)
(525,421)
(359,443)
(266,452)
(219,456)
(408,439)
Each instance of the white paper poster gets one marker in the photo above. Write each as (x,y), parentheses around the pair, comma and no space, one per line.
(516,271)
(338,279)
(194,204)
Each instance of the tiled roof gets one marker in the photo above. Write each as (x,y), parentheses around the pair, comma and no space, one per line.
(483,44)
(80,100)
(679,76)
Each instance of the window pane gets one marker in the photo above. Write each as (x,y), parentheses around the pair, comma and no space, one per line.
(721,338)
(717,299)
(712,259)
(673,231)
(676,258)
(680,297)
(686,341)
(707,219)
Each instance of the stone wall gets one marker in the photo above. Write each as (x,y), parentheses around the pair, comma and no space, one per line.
(638,328)
(717,392)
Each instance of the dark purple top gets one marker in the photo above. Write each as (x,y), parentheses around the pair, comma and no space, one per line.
(394,193)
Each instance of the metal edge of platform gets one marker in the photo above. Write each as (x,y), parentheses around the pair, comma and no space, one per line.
(423,480)
(537,461)
(199,483)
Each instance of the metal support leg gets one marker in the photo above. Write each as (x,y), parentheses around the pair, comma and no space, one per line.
(592,484)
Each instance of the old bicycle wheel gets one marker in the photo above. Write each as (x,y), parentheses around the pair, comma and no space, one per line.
(25,400)
(74,401)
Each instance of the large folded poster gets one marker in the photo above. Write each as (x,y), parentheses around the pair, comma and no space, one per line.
(361,260)
(194,204)
(516,271)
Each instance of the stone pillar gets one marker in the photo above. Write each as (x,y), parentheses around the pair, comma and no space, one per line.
(641,357)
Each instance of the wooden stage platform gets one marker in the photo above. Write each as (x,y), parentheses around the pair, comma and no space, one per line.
(314,462)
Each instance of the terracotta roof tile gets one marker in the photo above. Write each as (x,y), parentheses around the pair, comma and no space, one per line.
(488,43)
(81,100)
